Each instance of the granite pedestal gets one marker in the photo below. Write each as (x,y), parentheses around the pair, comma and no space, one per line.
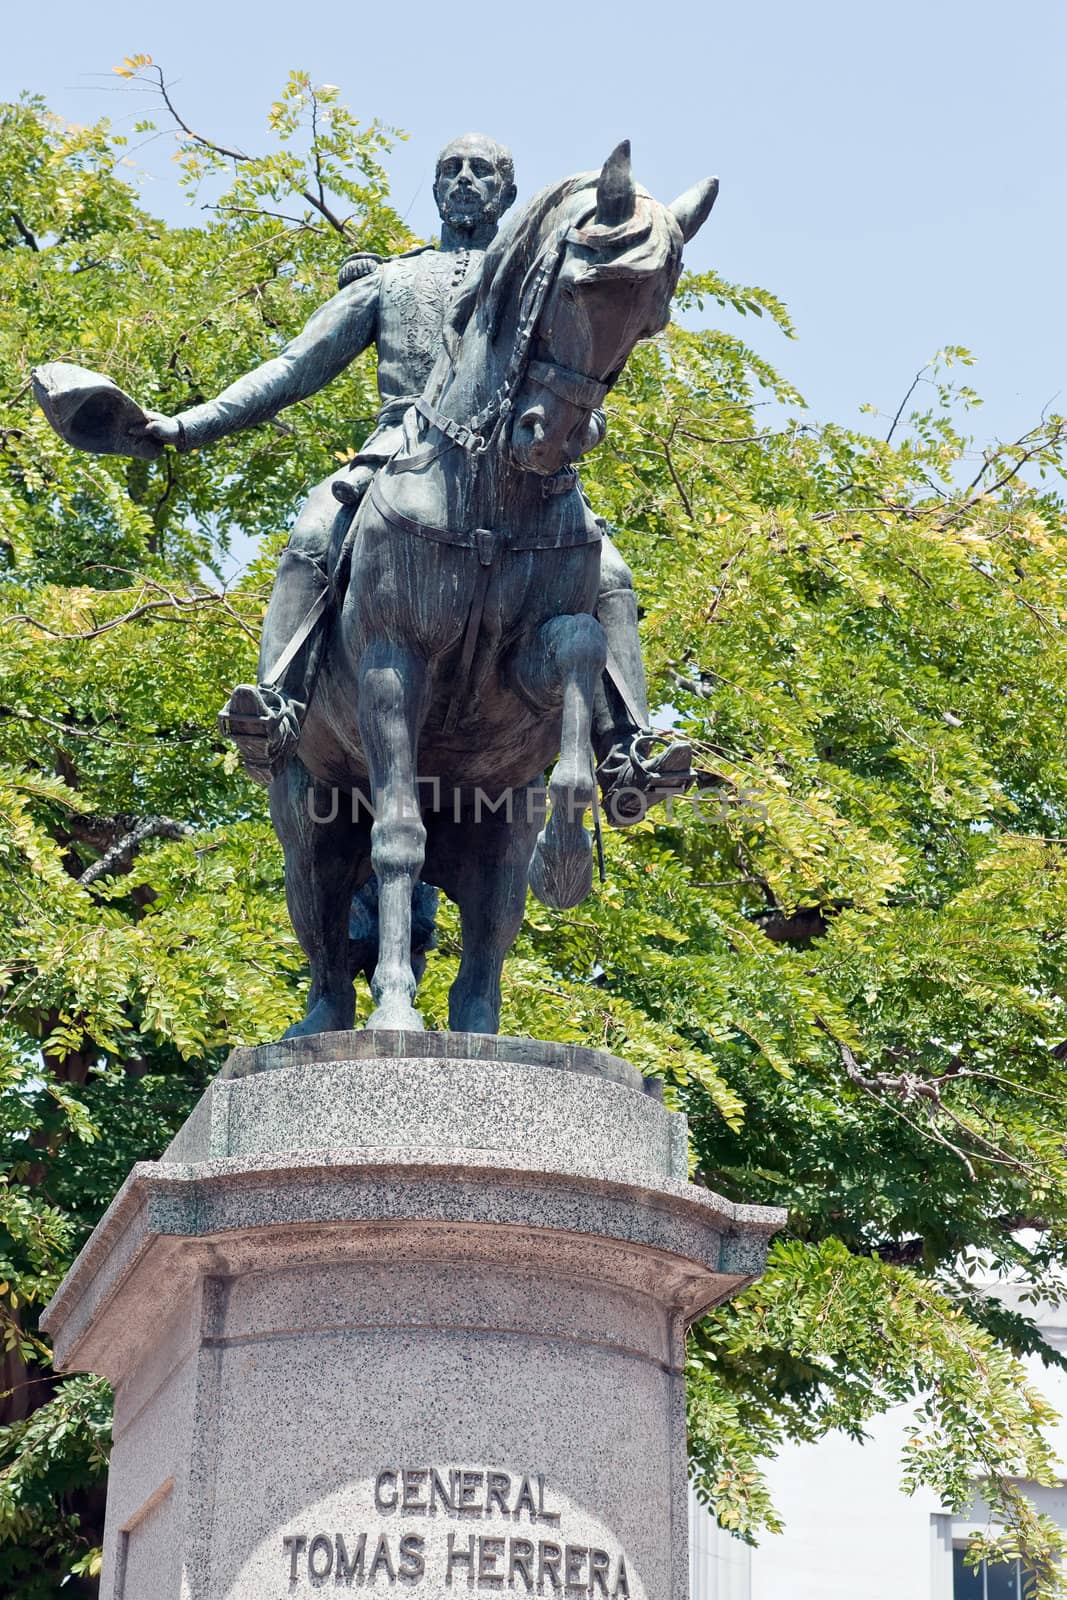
(404,1311)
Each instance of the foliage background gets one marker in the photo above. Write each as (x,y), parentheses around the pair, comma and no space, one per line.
(847,963)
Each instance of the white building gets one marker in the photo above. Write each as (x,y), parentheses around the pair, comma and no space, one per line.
(851,1534)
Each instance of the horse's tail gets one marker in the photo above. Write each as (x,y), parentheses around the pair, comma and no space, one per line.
(363,928)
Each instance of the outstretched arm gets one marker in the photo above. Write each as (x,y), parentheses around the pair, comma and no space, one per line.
(337,333)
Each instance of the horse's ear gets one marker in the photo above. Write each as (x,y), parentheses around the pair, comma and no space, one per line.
(615,193)
(692,209)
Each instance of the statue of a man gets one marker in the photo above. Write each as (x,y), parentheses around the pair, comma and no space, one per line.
(400,305)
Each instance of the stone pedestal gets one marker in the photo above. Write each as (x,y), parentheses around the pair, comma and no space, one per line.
(404,1311)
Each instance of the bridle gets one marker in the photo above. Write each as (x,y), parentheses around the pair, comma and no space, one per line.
(577,388)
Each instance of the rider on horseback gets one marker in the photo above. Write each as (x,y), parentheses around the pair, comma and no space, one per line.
(400,305)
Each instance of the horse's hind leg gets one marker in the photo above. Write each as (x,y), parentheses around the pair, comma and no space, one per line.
(568,655)
(324,850)
(393,684)
(487,860)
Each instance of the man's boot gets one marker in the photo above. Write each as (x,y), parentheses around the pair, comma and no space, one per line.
(264,719)
(632,772)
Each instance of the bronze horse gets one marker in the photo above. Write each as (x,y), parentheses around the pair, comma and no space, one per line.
(464,654)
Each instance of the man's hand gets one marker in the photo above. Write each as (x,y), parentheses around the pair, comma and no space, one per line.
(164,430)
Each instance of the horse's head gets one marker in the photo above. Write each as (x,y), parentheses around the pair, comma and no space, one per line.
(604,282)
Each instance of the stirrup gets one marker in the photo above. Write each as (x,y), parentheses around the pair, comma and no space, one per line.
(264,726)
(633,777)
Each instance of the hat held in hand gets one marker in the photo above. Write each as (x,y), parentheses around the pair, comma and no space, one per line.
(92,413)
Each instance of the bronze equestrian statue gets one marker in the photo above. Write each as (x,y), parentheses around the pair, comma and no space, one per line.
(400,306)
(440,625)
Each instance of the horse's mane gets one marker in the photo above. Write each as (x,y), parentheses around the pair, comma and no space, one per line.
(518,247)
(509,258)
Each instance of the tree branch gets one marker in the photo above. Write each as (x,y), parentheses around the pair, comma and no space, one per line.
(743,438)
(280,216)
(716,601)
(909,1088)
(318,202)
(908,1251)
(915,382)
(144,607)
(120,856)
(1044,441)
(675,479)
(197,138)
(909,513)
(28,236)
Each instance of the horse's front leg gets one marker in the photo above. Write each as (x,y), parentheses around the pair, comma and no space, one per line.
(568,655)
(393,692)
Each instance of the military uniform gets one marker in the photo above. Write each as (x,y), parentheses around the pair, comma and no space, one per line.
(399,306)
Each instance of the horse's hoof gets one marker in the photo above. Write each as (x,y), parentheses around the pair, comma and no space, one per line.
(328,1015)
(398,1015)
(476,1016)
(562,878)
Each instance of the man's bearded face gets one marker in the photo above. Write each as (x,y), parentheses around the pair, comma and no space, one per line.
(471,188)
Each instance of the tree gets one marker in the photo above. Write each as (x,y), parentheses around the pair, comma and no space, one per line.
(845,960)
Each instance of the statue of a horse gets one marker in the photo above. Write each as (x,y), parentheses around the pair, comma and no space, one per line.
(464,655)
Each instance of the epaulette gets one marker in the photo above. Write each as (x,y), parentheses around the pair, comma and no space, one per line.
(357,266)
(363,262)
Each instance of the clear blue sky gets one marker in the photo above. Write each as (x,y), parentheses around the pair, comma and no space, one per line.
(895,172)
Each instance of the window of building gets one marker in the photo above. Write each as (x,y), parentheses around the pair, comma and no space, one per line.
(999,1580)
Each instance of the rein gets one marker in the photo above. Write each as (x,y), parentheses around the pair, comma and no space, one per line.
(576,387)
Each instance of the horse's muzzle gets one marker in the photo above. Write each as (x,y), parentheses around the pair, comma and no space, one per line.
(532,446)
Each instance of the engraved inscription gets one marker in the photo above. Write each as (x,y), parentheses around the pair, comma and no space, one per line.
(526,1553)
